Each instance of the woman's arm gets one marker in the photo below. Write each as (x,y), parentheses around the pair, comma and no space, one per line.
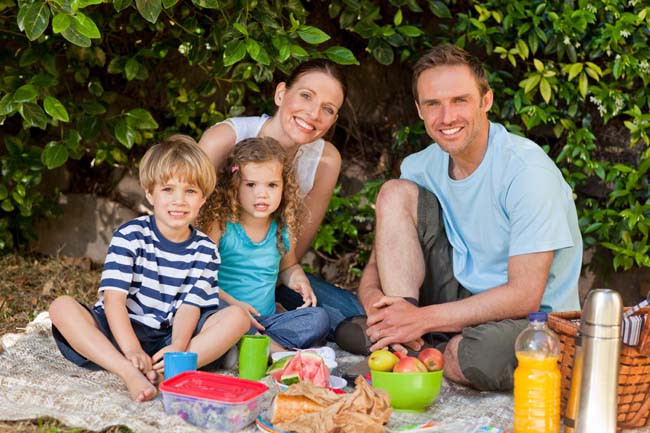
(217,142)
(318,198)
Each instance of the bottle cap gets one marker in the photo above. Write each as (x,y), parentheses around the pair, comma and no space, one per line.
(537,316)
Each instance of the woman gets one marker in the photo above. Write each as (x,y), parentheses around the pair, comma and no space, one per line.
(308,105)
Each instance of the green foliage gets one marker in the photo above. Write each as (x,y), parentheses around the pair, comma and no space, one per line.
(91,83)
(348,226)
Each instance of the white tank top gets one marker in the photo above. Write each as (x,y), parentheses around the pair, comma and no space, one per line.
(307,157)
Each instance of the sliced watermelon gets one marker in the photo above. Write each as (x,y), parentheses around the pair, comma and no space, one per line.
(306,366)
(276,369)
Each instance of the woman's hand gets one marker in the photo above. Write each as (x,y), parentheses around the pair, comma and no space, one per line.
(252,312)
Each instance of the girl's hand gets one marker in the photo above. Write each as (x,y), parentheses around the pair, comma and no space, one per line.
(303,287)
(252,312)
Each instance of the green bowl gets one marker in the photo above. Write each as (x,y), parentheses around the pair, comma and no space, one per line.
(409,392)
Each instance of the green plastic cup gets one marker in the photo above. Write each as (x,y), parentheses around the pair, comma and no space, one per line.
(253,356)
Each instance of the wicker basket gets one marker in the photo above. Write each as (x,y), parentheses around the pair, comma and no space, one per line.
(634,371)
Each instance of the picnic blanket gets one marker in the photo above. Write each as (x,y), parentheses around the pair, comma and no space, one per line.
(36,381)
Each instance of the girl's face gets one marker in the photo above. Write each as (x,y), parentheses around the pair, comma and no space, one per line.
(309,108)
(260,189)
(176,205)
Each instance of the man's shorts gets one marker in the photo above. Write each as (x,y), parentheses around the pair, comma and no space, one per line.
(486,353)
(151,339)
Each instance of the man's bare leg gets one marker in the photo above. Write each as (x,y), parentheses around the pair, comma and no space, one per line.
(452,369)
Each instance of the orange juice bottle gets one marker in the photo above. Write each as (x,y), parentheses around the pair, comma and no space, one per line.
(537,378)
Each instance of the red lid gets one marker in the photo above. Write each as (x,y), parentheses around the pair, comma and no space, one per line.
(212,386)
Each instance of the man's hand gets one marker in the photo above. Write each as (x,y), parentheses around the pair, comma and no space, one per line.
(395,323)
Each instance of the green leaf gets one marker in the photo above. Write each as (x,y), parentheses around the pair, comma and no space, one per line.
(381,51)
(539,66)
(3,192)
(241,29)
(29,57)
(149,9)
(33,115)
(86,3)
(397,19)
(545,90)
(252,47)
(233,52)
(141,119)
(36,19)
(86,26)
(74,36)
(298,51)
(262,56)
(410,31)
(60,22)
(7,205)
(169,3)
(120,5)
(56,109)
(312,35)
(124,133)
(439,9)
(583,84)
(574,70)
(54,155)
(6,105)
(25,93)
(131,68)
(341,55)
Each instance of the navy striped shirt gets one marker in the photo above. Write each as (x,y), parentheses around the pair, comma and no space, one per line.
(159,275)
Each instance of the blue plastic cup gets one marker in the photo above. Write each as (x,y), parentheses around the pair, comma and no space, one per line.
(178,362)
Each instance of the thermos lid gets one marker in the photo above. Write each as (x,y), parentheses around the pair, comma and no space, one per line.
(603,308)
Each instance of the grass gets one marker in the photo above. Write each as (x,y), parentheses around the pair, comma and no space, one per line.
(28,284)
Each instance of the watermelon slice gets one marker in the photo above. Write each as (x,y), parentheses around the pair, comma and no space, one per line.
(276,369)
(306,366)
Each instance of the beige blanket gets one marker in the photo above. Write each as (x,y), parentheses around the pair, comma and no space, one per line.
(36,381)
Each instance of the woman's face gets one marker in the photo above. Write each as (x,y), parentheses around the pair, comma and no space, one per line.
(309,108)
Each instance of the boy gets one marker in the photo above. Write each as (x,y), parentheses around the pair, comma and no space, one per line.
(158,291)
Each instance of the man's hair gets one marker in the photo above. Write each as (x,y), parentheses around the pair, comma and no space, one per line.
(449,55)
(177,156)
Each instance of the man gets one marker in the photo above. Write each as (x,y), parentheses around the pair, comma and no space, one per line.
(480,230)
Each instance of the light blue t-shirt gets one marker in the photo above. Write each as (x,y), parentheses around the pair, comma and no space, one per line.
(516,202)
(249,270)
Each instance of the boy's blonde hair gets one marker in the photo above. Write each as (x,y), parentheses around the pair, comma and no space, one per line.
(224,205)
(177,156)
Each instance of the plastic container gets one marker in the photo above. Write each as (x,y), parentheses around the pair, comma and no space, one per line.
(213,401)
(537,378)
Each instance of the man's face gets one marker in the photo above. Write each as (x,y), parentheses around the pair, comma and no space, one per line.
(453,110)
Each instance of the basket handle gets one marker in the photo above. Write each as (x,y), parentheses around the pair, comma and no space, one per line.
(644,340)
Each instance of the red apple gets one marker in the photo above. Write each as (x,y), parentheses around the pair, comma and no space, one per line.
(409,364)
(432,359)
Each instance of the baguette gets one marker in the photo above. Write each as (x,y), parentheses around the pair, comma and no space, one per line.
(287,407)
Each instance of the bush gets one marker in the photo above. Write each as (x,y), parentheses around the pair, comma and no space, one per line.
(89,84)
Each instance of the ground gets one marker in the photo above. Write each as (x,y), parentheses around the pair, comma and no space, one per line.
(27,286)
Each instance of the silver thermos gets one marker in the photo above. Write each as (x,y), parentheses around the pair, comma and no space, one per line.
(592,404)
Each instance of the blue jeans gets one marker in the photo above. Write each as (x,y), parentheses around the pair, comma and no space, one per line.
(296,329)
(338,303)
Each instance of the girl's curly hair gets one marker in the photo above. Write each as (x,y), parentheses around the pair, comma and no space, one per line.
(223,205)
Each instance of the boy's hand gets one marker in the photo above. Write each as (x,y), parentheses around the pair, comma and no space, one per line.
(139,359)
(158,358)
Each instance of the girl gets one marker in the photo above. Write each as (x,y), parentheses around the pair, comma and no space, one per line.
(253,217)
(308,105)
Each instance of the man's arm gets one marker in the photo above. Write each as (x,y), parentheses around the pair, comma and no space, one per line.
(396,320)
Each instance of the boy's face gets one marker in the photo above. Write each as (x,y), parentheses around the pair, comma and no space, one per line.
(260,189)
(176,205)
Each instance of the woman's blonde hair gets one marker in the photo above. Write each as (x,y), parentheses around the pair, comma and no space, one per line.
(224,205)
(177,156)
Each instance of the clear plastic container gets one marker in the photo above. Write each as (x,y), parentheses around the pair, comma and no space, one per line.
(213,401)
(537,378)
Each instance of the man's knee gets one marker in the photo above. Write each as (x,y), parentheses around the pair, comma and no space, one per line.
(397,195)
(486,354)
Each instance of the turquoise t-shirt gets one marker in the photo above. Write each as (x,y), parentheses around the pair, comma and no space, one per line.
(516,202)
(249,270)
